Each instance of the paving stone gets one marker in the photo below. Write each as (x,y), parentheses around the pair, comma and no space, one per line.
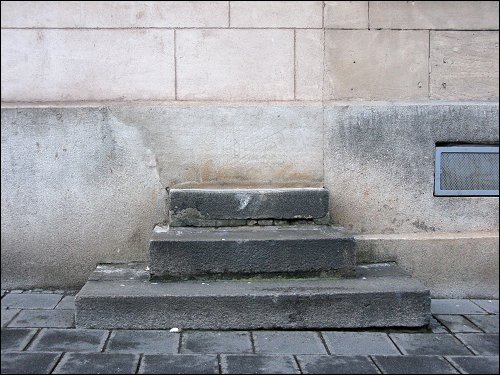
(7,315)
(70,340)
(216,342)
(359,343)
(487,304)
(457,323)
(488,323)
(326,364)
(414,364)
(437,327)
(44,319)
(475,365)
(67,303)
(28,363)
(31,301)
(97,363)
(277,342)
(179,364)
(428,344)
(258,364)
(480,343)
(143,341)
(454,307)
(16,338)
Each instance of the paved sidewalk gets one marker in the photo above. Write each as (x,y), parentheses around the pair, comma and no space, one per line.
(38,336)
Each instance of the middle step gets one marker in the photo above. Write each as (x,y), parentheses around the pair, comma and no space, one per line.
(183,253)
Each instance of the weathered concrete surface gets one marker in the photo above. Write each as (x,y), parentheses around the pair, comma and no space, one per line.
(312,303)
(71,64)
(78,187)
(376,64)
(449,15)
(235,64)
(234,204)
(379,166)
(112,14)
(301,14)
(451,265)
(190,253)
(346,14)
(309,53)
(240,145)
(464,65)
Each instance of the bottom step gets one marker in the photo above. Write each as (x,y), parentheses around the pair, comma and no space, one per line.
(120,296)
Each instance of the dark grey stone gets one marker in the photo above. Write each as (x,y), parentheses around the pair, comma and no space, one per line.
(185,253)
(189,206)
(488,323)
(253,304)
(7,315)
(258,364)
(489,305)
(414,364)
(429,344)
(143,341)
(44,319)
(457,323)
(16,338)
(325,364)
(437,327)
(359,343)
(216,342)
(455,307)
(282,342)
(97,363)
(179,364)
(475,365)
(69,340)
(28,363)
(31,301)
(67,303)
(480,343)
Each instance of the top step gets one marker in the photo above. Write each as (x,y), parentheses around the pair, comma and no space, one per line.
(193,207)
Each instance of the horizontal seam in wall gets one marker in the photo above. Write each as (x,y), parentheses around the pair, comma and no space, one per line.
(238,28)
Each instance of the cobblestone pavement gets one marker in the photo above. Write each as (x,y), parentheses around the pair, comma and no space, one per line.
(39,336)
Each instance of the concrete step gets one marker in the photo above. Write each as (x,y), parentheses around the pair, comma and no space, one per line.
(122,297)
(205,207)
(184,253)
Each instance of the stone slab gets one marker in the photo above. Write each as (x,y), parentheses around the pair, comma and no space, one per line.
(249,304)
(179,364)
(16,338)
(235,64)
(143,341)
(31,301)
(437,327)
(258,364)
(428,344)
(94,68)
(480,343)
(476,364)
(491,306)
(346,14)
(414,364)
(464,65)
(309,52)
(450,306)
(487,323)
(97,363)
(271,342)
(44,319)
(296,14)
(67,303)
(237,204)
(216,342)
(326,364)
(28,363)
(457,323)
(7,315)
(462,15)
(359,343)
(190,253)
(69,340)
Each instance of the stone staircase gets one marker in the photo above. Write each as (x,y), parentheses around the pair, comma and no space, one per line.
(251,259)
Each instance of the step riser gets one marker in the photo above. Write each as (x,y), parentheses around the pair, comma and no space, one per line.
(185,260)
(191,207)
